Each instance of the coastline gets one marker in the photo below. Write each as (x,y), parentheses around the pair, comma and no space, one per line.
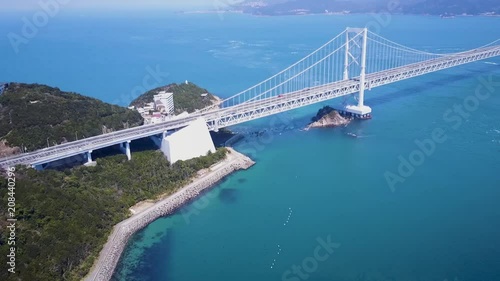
(219,12)
(104,266)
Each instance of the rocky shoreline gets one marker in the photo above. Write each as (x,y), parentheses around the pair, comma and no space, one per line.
(328,117)
(105,265)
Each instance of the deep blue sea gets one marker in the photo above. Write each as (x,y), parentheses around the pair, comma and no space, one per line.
(317,205)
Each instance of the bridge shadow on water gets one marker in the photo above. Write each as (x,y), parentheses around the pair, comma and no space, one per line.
(219,138)
(390,96)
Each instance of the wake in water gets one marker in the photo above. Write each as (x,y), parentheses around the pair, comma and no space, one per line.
(489,62)
(358,136)
(367,136)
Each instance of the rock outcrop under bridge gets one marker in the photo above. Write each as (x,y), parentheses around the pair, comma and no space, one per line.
(328,117)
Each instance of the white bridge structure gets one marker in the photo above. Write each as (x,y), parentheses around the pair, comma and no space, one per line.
(354,61)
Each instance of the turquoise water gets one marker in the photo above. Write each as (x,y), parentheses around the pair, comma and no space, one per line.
(441,223)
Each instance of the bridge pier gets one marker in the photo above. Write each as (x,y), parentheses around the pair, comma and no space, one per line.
(158,139)
(125,148)
(88,155)
(39,167)
(356,112)
(216,125)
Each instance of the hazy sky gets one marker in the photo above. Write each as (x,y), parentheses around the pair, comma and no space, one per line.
(121,4)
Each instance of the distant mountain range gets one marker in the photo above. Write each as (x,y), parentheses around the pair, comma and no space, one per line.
(428,7)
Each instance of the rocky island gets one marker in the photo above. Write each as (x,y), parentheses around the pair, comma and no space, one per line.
(328,117)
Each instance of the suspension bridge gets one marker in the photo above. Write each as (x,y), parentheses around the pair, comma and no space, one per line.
(352,62)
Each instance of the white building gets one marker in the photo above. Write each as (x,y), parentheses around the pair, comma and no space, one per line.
(164,102)
(149,106)
(157,118)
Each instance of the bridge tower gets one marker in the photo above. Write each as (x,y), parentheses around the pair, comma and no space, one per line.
(355,53)
(347,55)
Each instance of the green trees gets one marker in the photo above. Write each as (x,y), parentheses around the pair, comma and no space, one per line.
(322,112)
(187,97)
(64,217)
(35,115)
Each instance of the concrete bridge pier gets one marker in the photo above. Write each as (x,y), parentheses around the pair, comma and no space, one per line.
(39,167)
(216,125)
(125,148)
(88,155)
(158,139)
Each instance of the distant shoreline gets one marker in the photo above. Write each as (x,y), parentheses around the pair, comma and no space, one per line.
(327,14)
(104,266)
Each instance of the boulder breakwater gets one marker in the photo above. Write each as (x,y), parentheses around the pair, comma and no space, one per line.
(109,256)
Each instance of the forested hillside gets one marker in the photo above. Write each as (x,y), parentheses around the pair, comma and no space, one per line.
(34,116)
(64,217)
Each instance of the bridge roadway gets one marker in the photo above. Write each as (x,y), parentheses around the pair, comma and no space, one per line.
(73,148)
(219,118)
(268,106)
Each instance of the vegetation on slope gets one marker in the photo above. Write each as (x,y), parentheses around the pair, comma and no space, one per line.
(64,217)
(32,115)
(322,112)
(187,97)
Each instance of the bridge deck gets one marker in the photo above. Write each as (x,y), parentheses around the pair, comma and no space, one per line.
(260,108)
